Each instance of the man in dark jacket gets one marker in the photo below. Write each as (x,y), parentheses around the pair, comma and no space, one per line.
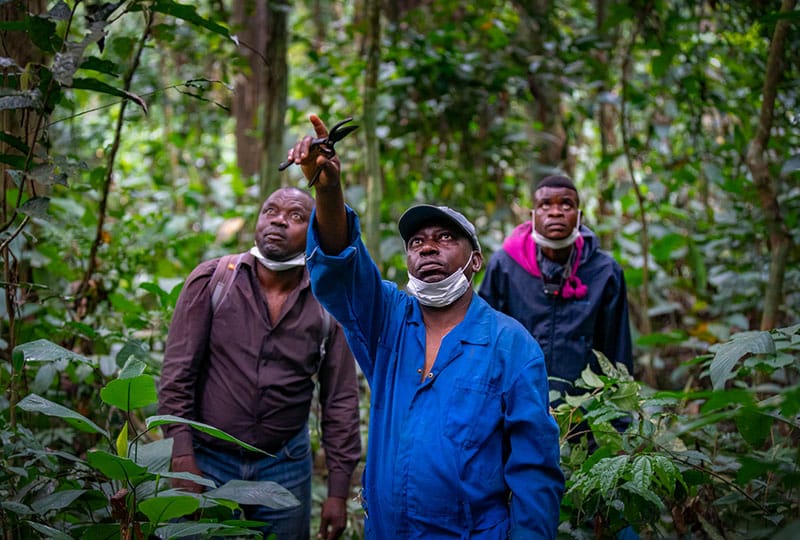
(552,277)
(245,362)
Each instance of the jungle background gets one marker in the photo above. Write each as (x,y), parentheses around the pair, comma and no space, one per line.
(140,137)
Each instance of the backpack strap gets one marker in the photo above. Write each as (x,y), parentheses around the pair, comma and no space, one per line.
(222,278)
(327,324)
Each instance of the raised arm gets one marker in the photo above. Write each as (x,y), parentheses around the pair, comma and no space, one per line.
(330,219)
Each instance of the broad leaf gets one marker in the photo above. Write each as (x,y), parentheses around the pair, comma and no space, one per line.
(160,420)
(729,353)
(35,207)
(57,500)
(130,394)
(189,13)
(48,532)
(160,509)
(99,86)
(43,350)
(269,494)
(35,403)
(114,467)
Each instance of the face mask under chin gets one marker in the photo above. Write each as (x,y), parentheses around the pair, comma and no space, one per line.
(440,293)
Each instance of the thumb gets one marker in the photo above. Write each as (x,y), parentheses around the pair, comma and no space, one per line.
(319,126)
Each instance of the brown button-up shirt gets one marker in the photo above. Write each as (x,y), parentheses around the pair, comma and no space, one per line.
(252,377)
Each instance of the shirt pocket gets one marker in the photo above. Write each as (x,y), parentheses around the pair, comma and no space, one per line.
(474,412)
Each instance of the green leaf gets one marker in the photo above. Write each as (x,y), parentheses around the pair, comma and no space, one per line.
(43,350)
(14,142)
(206,530)
(17,508)
(189,13)
(35,403)
(99,86)
(729,353)
(20,100)
(154,421)
(156,456)
(122,441)
(130,394)
(754,426)
(160,509)
(191,477)
(92,63)
(610,470)
(35,207)
(57,500)
(269,494)
(724,398)
(591,379)
(114,467)
(48,532)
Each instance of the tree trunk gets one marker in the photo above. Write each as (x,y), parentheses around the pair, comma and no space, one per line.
(275,97)
(546,110)
(779,238)
(250,19)
(372,46)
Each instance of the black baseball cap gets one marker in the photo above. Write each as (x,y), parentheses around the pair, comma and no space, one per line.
(416,217)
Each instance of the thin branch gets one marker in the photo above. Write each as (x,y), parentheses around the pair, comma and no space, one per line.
(112,155)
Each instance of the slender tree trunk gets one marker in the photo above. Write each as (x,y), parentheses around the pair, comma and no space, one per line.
(250,19)
(275,99)
(372,46)
(607,122)
(546,109)
(779,238)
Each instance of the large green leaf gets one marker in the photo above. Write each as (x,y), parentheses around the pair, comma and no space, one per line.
(729,353)
(153,421)
(36,403)
(160,509)
(43,350)
(130,394)
(98,86)
(754,426)
(57,500)
(48,532)
(189,13)
(191,528)
(114,467)
(269,494)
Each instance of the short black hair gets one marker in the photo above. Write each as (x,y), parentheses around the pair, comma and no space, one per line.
(557,181)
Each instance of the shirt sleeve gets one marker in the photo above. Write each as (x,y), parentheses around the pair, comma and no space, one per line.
(341,434)
(612,335)
(532,469)
(185,354)
(350,287)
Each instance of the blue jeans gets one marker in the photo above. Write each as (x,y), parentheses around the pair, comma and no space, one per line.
(291,468)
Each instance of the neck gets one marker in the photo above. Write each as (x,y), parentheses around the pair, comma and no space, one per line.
(560,256)
(278,281)
(448,316)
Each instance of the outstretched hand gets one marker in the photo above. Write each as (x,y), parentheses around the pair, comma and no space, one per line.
(311,159)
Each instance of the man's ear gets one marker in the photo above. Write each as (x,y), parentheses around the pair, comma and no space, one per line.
(477,261)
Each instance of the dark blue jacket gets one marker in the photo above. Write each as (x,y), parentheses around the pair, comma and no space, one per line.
(566,329)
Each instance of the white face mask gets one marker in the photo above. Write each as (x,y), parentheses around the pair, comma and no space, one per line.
(556,244)
(279,266)
(440,293)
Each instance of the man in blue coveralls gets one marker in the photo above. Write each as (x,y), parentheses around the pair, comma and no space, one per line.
(461,442)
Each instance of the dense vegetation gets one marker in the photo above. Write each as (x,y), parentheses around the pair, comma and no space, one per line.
(140,136)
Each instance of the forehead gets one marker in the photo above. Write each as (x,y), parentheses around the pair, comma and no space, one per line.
(437,226)
(552,193)
(289,198)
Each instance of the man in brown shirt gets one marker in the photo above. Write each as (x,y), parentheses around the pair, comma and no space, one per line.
(244,364)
